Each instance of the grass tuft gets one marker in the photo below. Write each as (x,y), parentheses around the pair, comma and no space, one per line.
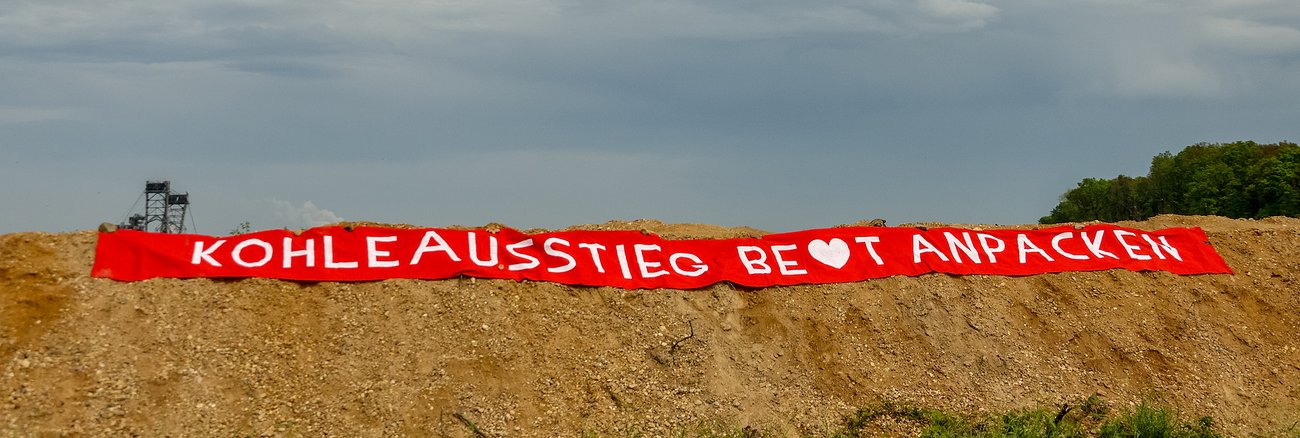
(1086,418)
(1089,418)
(1152,421)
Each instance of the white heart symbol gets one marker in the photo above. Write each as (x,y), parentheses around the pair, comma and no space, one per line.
(834,254)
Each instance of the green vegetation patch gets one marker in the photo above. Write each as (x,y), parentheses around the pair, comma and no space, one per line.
(1087,418)
(1236,180)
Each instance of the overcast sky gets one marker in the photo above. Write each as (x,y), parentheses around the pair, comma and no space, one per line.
(782,115)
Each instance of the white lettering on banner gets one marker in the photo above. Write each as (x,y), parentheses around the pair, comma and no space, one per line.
(699,265)
(1119,235)
(595,249)
(918,241)
(1056,245)
(644,265)
(622,261)
(532,261)
(646,260)
(373,253)
(1165,244)
(1025,246)
(492,250)
(558,255)
(201,255)
(238,253)
(309,253)
(991,251)
(787,266)
(754,266)
(968,247)
(549,247)
(1094,244)
(441,246)
(329,256)
(868,240)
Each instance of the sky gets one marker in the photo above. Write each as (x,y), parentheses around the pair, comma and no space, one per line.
(780,115)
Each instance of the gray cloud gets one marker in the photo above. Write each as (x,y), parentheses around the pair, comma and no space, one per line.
(307,215)
(544,113)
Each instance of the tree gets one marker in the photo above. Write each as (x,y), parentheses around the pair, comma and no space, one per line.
(243,228)
(1241,179)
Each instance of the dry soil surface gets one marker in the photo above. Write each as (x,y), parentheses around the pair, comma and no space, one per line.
(88,356)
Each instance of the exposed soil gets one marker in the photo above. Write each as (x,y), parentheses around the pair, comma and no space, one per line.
(404,357)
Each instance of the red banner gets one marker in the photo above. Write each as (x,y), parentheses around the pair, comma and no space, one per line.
(631,259)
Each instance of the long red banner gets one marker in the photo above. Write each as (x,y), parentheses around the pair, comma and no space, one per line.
(631,259)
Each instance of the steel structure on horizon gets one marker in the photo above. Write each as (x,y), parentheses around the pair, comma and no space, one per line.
(164,211)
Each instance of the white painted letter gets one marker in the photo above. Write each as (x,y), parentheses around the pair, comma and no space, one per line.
(309,253)
(645,266)
(622,261)
(786,265)
(1119,235)
(1094,245)
(1164,243)
(329,256)
(1056,245)
(1026,247)
(918,240)
(549,247)
(473,250)
(968,247)
(595,249)
(441,246)
(990,251)
(754,266)
(237,253)
(373,254)
(202,255)
(870,249)
(532,261)
(699,265)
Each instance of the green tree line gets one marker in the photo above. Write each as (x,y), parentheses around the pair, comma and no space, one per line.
(1237,180)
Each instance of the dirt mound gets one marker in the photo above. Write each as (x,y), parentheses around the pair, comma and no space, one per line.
(252,357)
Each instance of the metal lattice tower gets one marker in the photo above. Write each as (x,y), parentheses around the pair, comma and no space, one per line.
(177,204)
(155,205)
(164,211)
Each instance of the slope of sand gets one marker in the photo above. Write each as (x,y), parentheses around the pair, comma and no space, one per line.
(254,357)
